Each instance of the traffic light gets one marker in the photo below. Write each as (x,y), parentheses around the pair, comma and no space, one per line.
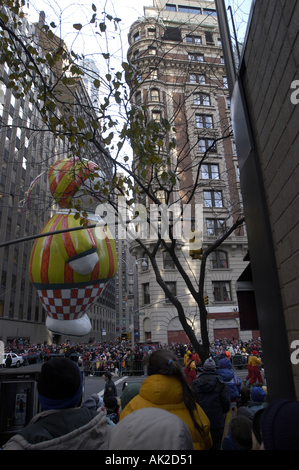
(195,245)
(206,300)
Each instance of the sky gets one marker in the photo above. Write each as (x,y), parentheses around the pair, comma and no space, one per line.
(71,12)
(91,42)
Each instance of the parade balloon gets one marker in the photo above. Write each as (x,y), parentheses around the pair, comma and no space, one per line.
(70,177)
(69,270)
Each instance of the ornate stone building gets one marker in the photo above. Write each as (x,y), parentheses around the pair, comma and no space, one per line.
(176,49)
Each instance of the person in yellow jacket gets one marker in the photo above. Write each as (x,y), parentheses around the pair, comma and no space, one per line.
(166,388)
(254,364)
(186,357)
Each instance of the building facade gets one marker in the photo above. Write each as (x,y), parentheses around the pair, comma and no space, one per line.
(265,120)
(176,49)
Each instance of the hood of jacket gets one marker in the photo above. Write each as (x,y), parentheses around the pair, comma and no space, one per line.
(150,429)
(226,374)
(162,390)
(69,429)
(208,381)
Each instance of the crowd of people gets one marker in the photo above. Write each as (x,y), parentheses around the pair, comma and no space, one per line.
(172,409)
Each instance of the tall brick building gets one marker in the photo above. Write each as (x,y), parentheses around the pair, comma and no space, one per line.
(177,52)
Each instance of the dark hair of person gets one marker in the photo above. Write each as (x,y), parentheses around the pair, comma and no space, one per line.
(164,362)
(240,429)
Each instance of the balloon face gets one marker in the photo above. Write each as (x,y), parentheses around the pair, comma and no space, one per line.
(70,270)
(67,176)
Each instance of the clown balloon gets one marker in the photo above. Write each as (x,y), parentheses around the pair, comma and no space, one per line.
(70,270)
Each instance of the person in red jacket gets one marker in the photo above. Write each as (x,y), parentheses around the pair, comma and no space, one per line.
(190,370)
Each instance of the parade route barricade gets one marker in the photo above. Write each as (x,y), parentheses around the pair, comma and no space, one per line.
(239,361)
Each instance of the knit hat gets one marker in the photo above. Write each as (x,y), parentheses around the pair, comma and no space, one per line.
(60,384)
(209,364)
(280,425)
(255,353)
(93,402)
(225,364)
(258,394)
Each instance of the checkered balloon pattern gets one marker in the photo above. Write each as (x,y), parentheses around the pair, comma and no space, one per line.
(69,304)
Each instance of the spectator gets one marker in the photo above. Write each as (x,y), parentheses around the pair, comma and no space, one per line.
(280,425)
(62,425)
(239,435)
(8,361)
(243,408)
(214,398)
(232,382)
(166,388)
(112,406)
(258,396)
(151,429)
(190,370)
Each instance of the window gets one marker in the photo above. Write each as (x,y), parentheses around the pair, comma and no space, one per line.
(201,99)
(168,262)
(157,116)
(170,7)
(172,287)
(192,10)
(212,199)
(146,294)
(209,11)
(196,78)
(203,122)
(135,55)
(221,291)
(196,57)
(225,82)
(151,32)
(218,260)
(205,144)
(193,39)
(210,171)
(152,51)
(209,38)
(172,34)
(136,36)
(154,94)
(138,98)
(153,73)
(215,227)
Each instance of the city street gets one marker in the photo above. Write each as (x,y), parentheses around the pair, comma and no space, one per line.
(94,384)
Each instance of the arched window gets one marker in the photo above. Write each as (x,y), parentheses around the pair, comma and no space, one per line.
(218,260)
(138,98)
(154,94)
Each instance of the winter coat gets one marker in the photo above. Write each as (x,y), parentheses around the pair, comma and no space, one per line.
(68,429)
(255,361)
(160,391)
(232,382)
(213,397)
